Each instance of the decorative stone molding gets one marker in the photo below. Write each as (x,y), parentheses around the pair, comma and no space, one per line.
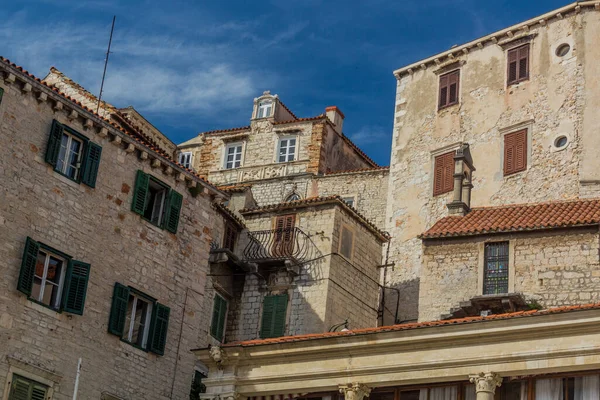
(26,87)
(73,115)
(449,66)
(130,148)
(486,382)
(517,40)
(89,124)
(10,78)
(218,355)
(58,106)
(103,132)
(42,97)
(355,391)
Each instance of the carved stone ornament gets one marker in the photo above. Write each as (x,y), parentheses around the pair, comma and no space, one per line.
(486,382)
(355,391)
(217,354)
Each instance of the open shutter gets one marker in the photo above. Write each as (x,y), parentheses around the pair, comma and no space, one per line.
(523,62)
(28,266)
(509,154)
(173,211)
(438,176)
(448,172)
(443,91)
(215,329)
(453,79)
(159,327)
(138,204)
(91,163)
(118,310)
(78,275)
(443,173)
(54,139)
(267,317)
(280,315)
(520,145)
(512,58)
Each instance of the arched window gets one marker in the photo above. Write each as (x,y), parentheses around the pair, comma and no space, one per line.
(293,197)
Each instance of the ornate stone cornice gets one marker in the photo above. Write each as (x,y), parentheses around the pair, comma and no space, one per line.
(486,382)
(354,391)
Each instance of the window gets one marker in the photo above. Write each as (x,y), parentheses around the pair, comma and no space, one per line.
(518,64)
(233,155)
(230,237)
(139,319)
(287,149)
(495,269)
(73,155)
(449,84)
(293,197)
(515,152)
(346,243)
(349,201)
(274,316)
(443,173)
(265,108)
(185,159)
(156,202)
(26,389)
(283,244)
(563,50)
(197,386)
(217,327)
(52,278)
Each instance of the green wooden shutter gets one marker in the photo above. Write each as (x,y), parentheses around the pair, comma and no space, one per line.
(278,328)
(173,210)
(159,327)
(1,94)
(138,205)
(28,266)
(118,310)
(267,317)
(25,389)
(217,327)
(91,163)
(78,275)
(56,133)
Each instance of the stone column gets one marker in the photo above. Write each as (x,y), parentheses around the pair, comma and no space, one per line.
(486,384)
(355,391)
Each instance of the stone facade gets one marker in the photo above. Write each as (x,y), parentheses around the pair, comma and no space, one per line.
(95,225)
(557,100)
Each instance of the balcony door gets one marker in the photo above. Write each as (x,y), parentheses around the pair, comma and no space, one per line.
(283,245)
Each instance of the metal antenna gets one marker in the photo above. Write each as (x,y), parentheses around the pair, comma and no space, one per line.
(106,63)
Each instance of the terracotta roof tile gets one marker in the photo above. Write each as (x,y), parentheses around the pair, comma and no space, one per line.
(518,217)
(229,130)
(415,325)
(314,201)
(291,121)
(352,171)
(137,136)
(230,214)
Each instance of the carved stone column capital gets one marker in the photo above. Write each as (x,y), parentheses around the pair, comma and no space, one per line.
(486,382)
(355,391)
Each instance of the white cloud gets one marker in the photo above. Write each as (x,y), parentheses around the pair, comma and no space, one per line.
(369,135)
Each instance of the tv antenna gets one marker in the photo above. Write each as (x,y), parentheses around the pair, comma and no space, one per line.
(106,63)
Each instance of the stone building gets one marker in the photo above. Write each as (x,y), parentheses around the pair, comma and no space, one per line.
(494,221)
(105,248)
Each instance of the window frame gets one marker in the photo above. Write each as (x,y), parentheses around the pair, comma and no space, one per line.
(266,104)
(183,155)
(172,204)
(32,384)
(447,102)
(233,145)
(137,295)
(223,322)
(72,136)
(278,154)
(504,258)
(518,78)
(49,252)
(351,202)
(230,236)
(163,207)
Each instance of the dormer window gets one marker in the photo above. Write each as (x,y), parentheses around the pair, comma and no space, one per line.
(265,108)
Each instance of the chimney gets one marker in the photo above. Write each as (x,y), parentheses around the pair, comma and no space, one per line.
(463,168)
(336,116)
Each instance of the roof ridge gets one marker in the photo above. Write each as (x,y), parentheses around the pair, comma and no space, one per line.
(578,200)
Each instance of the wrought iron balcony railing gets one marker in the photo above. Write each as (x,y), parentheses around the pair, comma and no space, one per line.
(278,244)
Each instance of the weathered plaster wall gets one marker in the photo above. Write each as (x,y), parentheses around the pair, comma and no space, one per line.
(551,103)
(553,268)
(95,226)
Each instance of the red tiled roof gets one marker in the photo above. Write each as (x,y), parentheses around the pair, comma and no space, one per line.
(135,135)
(241,128)
(518,217)
(415,325)
(315,201)
(291,121)
(229,213)
(352,171)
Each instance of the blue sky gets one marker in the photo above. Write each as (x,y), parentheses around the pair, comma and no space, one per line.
(193,66)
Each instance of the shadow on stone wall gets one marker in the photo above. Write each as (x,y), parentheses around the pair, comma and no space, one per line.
(408,309)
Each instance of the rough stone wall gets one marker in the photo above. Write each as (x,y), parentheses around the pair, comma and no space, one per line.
(138,120)
(369,190)
(550,104)
(553,269)
(274,191)
(95,226)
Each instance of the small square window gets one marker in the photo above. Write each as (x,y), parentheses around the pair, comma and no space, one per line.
(156,201)
(137,320)
(265,108)
(233,155)
(349,200)
(287,149)
(185,159)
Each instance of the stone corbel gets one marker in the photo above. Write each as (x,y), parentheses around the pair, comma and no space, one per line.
(130,148)
(485,384)
(58,106)
(89,124)
(155,163)
(103,132)
(355,391)
(26,87)
(10,78)
(42,97)
(73,115)
(117,141)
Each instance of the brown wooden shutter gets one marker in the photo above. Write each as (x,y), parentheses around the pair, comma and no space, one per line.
(512,65)
(453,79)
(284,235)
(515,152)
(443,179)
(518,64)
(524,62)
(229,237)
(443,91)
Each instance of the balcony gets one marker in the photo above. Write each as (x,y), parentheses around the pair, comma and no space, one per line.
(278,246)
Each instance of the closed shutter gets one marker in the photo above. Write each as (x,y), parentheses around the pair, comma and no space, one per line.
(230,237)
(53,148)
(1,94)
(28,263)
(449,85)
(443,173)
(524,62)
(518,64)
(26,389)
(91,163)
(515,152)
(443,91)
(138,204)
(118,310)
(173,211)
(159,328)
(78,275)
(217,327)
(274,316)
